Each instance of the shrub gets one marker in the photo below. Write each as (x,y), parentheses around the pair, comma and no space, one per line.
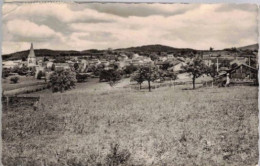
(116,157)
(81,77)
(14,79)
(23,70)
(40,75)
(5,73)
(62,80)
(111,76)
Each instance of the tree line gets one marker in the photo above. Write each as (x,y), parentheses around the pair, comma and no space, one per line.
(65,80)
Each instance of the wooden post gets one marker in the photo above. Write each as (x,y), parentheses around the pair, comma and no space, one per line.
(217,64)
(7,103)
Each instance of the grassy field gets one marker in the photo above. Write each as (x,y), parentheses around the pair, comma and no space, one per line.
(168,126)
(22,83)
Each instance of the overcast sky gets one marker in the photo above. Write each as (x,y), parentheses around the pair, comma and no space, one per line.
(72,26)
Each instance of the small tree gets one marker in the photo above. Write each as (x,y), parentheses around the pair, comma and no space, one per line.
(76,66)
(53,67)
(212,71)
(23,70)
(114,77)
(111,76)
(195,68)
(39,75)
(154,57)
(130,69)
(14,80)
(138,77)
(148,73)
(62,80)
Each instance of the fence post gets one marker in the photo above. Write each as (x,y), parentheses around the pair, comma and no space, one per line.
(7,103)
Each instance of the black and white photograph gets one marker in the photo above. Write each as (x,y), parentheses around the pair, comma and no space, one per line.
(129,84)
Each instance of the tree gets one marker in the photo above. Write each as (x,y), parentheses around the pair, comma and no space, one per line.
(138,77)
(212,71)
(23,70)
(130,69)
(166,65)
(195,68)
(53,67)
(146,73)
(76,66)
(14,80)
(62,80)
(81,77)
(154,57)
(163,74)
(40,74)
(111,76)
(45,59)
(211,48)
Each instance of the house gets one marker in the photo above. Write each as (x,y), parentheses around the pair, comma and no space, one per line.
(61,66)
(39,69)
(94,62)
(120,64)
(104,62)
(238,61)
(122,57)
(243,71)
(177,67)
(208,61)
(49,65)
(170,57)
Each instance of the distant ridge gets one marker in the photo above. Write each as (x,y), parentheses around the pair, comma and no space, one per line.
(155,48)
(145,48)
(250,47)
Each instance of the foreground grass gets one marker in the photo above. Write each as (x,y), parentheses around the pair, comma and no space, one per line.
(169,126)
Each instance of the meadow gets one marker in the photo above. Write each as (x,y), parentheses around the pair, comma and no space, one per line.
(122,126)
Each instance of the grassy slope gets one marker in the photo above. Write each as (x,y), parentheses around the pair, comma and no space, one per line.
(210,126)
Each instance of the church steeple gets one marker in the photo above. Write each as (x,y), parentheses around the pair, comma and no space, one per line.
(31,57)
(31,54)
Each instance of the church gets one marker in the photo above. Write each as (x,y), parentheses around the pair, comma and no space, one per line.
(31,60)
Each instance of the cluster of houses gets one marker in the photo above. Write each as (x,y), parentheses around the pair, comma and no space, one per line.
(224,61)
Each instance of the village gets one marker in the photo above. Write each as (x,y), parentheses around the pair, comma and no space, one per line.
(240,64)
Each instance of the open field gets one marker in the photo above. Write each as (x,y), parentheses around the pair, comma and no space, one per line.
(22,83)
(26,84)
(168,126)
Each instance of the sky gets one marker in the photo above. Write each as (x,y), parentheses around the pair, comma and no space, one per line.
(82,26)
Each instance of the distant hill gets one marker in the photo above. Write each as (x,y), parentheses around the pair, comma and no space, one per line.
(40,52)
(154,48)
(146,48)
(250,47)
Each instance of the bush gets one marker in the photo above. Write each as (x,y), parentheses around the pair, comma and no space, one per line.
(14,79)
(62,80)
(5,73)
(40,75)
(111,76)
(23,70)
(81,77)
(116,157)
